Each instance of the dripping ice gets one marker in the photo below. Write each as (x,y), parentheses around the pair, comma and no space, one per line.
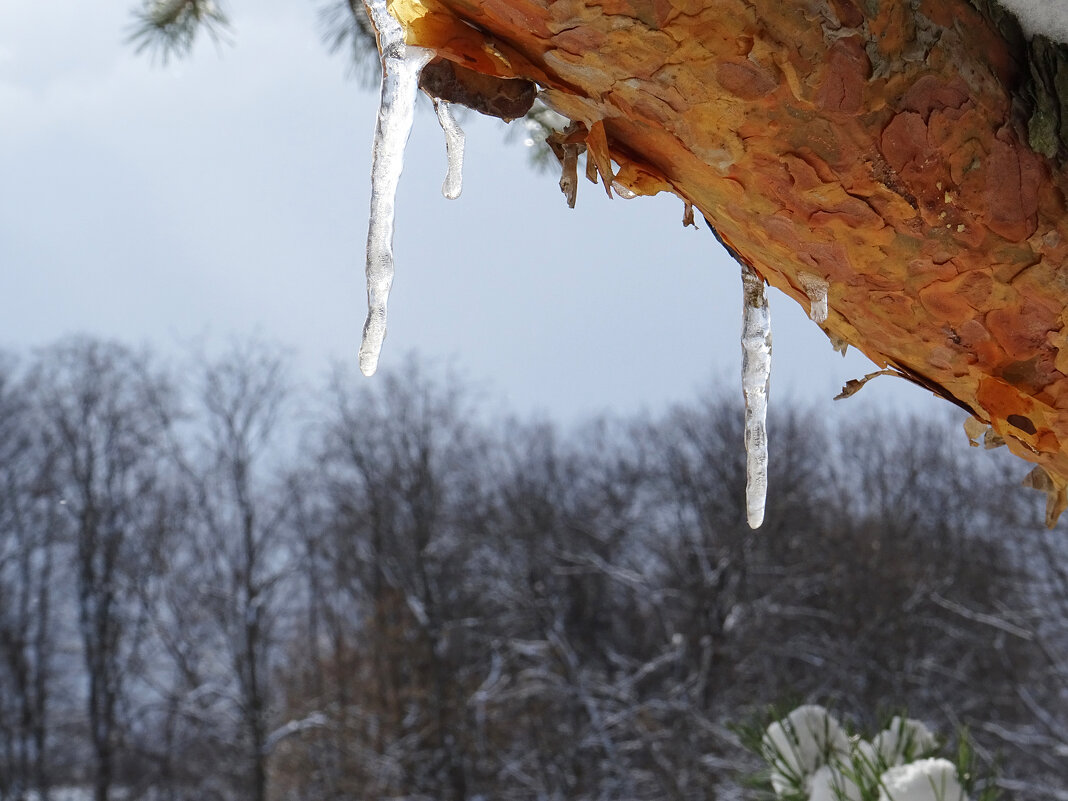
(454,150)
(756,377)
(401,65)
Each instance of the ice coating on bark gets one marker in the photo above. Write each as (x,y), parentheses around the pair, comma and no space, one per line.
(756,377)
(401,65)
(816,289)
(454,149)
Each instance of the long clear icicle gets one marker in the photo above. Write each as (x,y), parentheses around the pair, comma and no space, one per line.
(756,378)
(401,65)
(454,149)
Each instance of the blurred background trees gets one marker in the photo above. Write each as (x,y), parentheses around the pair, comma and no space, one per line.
(234,592)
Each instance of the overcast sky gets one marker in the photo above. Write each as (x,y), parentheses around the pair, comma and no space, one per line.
(227,195)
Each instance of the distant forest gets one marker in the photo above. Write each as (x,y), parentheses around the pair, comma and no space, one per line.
(215,585)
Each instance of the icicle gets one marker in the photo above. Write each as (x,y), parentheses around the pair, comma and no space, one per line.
(756,376)
(454,149)
(401,65)
(816,288)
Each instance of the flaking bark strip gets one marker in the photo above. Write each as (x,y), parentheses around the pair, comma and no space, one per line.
(505,98)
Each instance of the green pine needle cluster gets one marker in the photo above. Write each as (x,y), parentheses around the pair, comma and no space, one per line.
(168,28)
(808,756)
(346,28)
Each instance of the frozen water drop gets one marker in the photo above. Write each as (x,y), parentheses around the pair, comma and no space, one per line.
(454,149)
(756,379)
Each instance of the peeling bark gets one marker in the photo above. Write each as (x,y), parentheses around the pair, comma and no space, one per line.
(907,152)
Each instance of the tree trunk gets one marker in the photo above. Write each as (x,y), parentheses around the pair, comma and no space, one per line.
(907,152)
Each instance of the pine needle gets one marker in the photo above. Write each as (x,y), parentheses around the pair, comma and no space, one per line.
(168,28)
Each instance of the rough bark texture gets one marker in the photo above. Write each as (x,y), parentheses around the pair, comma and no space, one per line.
(907,152)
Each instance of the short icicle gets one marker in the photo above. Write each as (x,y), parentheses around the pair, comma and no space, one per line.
(401,65)
(756,378)
(454,149)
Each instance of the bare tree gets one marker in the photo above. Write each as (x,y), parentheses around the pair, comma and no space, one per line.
(420,604)
(402,466)
(29,536)
(94,398)
(238,542)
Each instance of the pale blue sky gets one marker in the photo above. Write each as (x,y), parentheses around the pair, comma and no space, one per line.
(227,195)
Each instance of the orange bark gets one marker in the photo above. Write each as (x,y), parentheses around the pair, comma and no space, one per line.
(873,143)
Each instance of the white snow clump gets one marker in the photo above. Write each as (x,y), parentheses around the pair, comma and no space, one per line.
(923,780)
(902,741)
(811,757)
(796,747)
(831,784)
(1048,17)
